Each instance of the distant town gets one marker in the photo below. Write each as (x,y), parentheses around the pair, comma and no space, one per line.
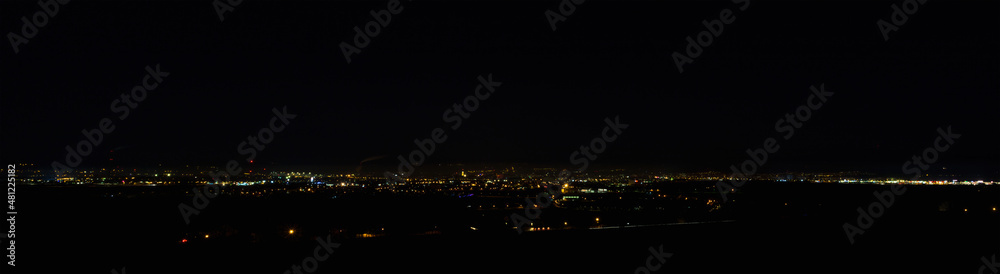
(504,178)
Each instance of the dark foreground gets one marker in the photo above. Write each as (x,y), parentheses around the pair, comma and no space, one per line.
(931,229)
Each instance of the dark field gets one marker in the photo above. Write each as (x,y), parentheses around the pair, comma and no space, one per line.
(927,229)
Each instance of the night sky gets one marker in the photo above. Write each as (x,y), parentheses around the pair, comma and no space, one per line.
(609,58)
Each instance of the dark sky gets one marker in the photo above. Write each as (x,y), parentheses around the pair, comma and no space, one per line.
(609,58)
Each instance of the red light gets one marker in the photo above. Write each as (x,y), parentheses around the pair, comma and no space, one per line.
(184,240)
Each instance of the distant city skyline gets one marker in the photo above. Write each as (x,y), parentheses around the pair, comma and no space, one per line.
(195,173)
